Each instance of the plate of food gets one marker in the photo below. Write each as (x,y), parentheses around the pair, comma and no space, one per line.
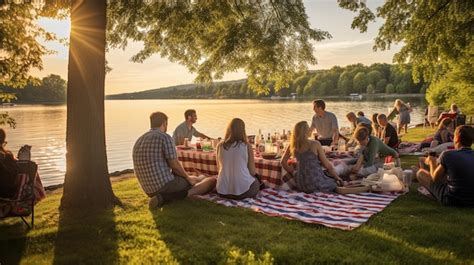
(269,155)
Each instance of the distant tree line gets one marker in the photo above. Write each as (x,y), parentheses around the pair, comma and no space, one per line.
(50,89)
(337,81)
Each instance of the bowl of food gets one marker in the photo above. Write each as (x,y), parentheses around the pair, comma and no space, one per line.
(269,155)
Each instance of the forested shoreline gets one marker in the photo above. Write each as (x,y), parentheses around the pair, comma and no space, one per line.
(50,89)
(337,81)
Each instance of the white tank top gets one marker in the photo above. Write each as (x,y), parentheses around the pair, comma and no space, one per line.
(234,176)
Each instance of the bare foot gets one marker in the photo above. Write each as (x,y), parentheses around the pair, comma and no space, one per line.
(193,180)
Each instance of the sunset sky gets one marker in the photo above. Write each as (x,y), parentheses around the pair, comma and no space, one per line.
(346,47)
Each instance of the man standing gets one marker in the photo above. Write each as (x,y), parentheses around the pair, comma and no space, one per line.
(388,133)
(158,170)
(325,124)
(186,129)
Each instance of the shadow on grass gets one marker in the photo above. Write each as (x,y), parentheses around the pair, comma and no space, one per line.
(202,232)
(12,241)
(86,238)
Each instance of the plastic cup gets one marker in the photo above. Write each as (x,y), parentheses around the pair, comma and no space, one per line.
(407,177)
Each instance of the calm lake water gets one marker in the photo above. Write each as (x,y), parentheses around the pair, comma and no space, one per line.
(44,127)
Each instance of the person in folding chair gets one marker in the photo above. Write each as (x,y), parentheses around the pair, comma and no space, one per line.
(450,178)
(20,184)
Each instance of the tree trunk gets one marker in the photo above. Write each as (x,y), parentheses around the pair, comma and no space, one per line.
(87,182)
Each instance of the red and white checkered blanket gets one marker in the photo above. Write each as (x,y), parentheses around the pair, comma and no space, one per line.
(271,172)
(345,212)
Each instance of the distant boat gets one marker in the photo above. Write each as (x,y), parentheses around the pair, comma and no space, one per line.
(293,96)
(355,96)
(8,104)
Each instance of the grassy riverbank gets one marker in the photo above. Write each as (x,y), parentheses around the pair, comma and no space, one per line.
(411,230)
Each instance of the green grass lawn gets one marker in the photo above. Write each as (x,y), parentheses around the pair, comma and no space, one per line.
(412,230)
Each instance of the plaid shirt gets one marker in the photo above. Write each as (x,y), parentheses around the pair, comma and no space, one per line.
(149,160)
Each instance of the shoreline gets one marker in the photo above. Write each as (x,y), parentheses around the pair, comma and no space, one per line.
(114,176)
(365,97)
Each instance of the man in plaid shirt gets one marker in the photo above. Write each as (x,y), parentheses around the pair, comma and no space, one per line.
(158,170)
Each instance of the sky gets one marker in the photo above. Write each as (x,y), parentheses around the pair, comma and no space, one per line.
(346,47)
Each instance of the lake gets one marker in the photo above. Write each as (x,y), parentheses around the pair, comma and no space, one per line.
(44,127)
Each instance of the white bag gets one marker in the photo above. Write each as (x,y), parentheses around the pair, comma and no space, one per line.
(386,180)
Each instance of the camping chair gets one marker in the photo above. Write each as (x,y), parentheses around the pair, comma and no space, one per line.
(460,119)
(431,116)
(452,116)
(24,204)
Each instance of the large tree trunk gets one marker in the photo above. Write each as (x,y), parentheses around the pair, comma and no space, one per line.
(87,182)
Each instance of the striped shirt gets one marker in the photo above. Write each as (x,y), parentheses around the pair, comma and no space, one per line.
(150,155)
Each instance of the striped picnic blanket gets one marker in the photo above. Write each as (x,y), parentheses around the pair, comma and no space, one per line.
(345,212)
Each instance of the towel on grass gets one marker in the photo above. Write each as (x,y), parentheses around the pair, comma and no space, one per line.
(407,148)
(345,212)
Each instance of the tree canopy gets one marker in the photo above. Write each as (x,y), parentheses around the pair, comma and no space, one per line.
(269,40)
(51,89)
(437,41)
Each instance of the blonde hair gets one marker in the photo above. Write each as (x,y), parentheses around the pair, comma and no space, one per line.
(299,138)
(454,107)
(235,133)
(399,103)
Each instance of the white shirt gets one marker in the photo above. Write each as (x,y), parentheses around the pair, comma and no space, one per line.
(234,176)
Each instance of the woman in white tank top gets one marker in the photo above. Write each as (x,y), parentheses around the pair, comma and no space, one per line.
(236,164)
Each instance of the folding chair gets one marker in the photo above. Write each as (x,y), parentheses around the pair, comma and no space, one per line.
(24,204)
(461,119)
(452,116)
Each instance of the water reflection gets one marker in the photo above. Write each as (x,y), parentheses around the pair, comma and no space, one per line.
(44,127)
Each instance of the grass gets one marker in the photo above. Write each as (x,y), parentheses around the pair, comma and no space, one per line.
(418,134)
(412,230)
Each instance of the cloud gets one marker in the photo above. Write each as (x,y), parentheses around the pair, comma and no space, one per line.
(341,44)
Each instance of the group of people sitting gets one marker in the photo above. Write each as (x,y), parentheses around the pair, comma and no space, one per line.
(163,178)
(443,139)
(379,126)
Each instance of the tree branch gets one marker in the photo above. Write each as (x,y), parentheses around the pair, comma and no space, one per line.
(439,9)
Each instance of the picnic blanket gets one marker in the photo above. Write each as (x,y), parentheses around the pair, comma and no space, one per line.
(345,212)
(407,148)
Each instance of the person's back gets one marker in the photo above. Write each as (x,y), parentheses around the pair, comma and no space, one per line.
(310,176)
(234,176)
(150,153)
(460,176)
(8,175)
(362,119)
(391,132)
(376,149)
(443,133)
